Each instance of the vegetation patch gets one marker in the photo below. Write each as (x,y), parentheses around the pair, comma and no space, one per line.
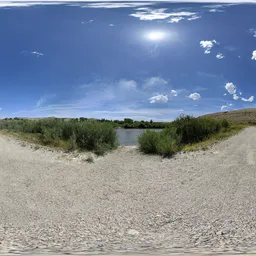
(70,135)
(186,133)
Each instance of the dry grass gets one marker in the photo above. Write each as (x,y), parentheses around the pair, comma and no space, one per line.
(239,116)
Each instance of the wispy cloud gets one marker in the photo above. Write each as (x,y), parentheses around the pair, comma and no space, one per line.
(252,31)
(114,4)
(161,14)
(216,10)
(153,82)
(38,54)
(111,5)
(44,99)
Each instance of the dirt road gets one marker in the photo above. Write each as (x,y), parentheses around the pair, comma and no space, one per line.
(127,201)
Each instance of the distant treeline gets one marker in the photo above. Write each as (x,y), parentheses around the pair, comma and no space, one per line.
(125,123)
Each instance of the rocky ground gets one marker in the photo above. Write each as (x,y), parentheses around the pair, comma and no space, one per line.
(128,202)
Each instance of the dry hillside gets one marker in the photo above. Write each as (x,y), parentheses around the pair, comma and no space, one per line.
(243,115)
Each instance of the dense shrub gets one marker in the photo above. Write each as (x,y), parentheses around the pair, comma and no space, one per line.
(148,142)
(184,130)
(192,129)
(86,135)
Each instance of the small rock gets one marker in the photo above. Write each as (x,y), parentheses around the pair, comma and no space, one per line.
(133,232)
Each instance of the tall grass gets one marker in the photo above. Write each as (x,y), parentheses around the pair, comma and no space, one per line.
(183,131)
(86,135)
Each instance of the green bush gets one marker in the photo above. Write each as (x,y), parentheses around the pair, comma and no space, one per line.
(192,129)
(166,146)
(148,142)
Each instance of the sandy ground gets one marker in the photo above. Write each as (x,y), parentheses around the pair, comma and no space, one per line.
(126,201)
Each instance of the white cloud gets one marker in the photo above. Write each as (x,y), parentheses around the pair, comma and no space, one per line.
(215,10)
(235,97)
(253,31)
(194,17)
(40,102)
(111,25)
(151,14)
(251,99)
(230,104)
(127,84)
(113,4)
(224,108)
(161,14)
(220,56)
(174,93)
(224,94)
(231,88)
(90,21)
(254,55)
(159,98)
(38,54)
(154,81)
(195,96)
(43,99)
(176,19)
(207,45)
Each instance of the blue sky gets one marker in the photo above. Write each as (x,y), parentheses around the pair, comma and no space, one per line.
(143,60)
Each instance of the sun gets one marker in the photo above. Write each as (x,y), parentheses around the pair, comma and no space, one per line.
(156,35)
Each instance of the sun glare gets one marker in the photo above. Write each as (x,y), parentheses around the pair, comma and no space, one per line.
(156,35)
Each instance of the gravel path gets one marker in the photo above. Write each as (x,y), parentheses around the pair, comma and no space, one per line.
(127,201)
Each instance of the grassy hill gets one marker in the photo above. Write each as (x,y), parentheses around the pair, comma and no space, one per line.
(242,116)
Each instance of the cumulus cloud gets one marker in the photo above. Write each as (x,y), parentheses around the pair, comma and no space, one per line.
(220,56)
(231,88)
(154,81)
(159,98)
(235,97)
(224,108)
(174,93)
(38,54)
(251,99)
(254,55)
(224,94)
(195,96)
(207,45)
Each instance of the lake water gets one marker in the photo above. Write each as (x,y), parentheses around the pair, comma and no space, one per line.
(129,137)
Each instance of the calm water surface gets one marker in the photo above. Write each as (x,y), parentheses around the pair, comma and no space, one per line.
(128,137)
